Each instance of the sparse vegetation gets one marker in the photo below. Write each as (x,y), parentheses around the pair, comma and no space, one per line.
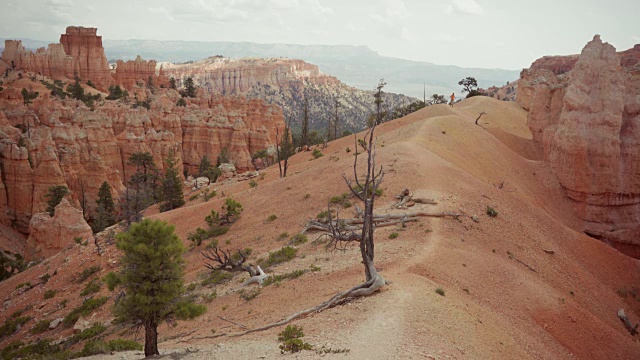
(272,218)
(85,309)
(12,324)
(216,277)
(249,294)
(49,294)
(393,235)
(491,212)
(40,327)
(112,280)
(440,291)
(253,183)
(91,288)
(285,254)
(291,340)
(298,239)
(55,194)
(87,272)
(317,153)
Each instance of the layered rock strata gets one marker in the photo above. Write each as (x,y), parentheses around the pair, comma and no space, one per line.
(66,143)
(585,112)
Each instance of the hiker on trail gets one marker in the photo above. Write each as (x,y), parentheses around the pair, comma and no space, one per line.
(453,98)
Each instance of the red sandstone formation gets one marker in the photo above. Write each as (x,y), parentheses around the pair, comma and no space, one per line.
(85,46)
(584,111)
(69,144)
(130,72)
(79,53)
(49,235)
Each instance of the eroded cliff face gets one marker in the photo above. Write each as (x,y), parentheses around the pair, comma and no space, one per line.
(287,83)
(80,53)
(62,142)
(585,112)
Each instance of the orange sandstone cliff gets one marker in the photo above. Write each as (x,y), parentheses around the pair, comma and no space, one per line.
(584,110)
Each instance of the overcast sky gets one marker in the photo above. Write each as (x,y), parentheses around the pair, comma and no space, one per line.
(507,34)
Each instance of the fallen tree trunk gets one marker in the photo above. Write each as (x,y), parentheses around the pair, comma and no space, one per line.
(367,288)
(633,330)
(378,220)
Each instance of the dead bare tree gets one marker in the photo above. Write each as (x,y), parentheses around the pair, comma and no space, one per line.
(223,260)
(363,189)
(479,116)
(284,149)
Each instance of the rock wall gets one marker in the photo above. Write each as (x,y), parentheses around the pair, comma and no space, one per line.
(287,83)
(67,143)
(585,112)
(128,73)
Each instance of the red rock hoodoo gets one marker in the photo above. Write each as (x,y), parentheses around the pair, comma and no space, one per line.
(585,112)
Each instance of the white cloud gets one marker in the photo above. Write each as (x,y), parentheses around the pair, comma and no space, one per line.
(161,10)
(59,3)
(353,27)
(209,11)
(318,8)
(446,38)
(635,39)
(467,7)
(393,12)
(283,4)
(408,35)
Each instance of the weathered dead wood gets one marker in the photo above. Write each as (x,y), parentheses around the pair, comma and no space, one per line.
(367,288)
(233,322)
(525,264)
(633,330)
(479,116)
(550,252)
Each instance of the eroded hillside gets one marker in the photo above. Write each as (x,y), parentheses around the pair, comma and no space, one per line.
(525,284)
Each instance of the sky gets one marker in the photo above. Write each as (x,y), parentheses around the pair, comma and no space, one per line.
(507,34)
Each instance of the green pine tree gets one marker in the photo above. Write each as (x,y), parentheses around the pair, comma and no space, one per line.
(54,195)
(152,274)
(106,210)
(171,186)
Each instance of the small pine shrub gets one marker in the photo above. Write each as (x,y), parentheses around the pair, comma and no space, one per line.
(216,277)
(440,291)
(272,218)
(285,254)
(306,196)
(283,236)
(291,339)
(91,288)
(317,154)
(86,273)
(298,239)
(193,197)
(322,215)
(40,327)
(393,235)
(491,212)
(348,150)
(124,345)
(112,280)
(85,309)
(12,324)
(253,183)
(45,278)
(248,295)
(275,279)
(49,294)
